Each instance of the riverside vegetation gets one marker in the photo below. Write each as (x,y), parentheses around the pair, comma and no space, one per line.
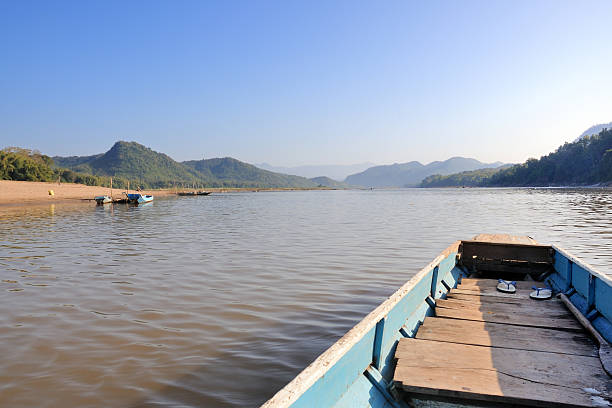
(587,161)
(30,165)
(144,168)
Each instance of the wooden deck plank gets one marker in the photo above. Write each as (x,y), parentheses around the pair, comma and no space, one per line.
(492,283)
(489,386)
(538,369)
(485,345)
(523,314)
(543,308)
(505,335)
(504,317)
(477,298)
(493,292)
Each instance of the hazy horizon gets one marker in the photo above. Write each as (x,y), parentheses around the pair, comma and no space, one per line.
(295,84)
(261,164)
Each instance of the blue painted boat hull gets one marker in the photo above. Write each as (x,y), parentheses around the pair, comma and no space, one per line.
(137,198)
(358,369)
(103,199)
(145,199)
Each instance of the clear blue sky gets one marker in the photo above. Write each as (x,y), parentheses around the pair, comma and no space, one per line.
(305,82)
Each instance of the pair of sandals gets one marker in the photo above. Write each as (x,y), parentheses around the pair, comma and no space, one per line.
(538,293)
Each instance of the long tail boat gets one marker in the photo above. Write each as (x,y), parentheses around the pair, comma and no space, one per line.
(137,198)
(450,337)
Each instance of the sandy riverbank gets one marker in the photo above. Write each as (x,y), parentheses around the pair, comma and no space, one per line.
(19,193)
(32,192)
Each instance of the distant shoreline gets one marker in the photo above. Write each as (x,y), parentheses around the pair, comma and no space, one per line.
(29,193)
(593,186)
(26,193)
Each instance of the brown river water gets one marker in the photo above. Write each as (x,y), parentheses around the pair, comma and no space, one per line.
(219,301)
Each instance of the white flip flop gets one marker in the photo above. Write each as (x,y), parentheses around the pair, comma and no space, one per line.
(540,293)
(506,286)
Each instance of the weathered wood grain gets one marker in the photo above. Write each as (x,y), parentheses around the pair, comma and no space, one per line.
(477,298)
(492,283)
(510,317)
(497,348)
(540,368)
(489,387)
(475,290)
(499,375)
(550,309)
(505,335)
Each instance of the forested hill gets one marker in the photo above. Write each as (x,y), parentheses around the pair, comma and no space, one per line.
(141,167)
(323,181)
(586,161)
(134,162)
(147,168)
(232,172)
(464,179)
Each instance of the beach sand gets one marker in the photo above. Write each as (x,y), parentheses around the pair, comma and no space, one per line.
(33,192)
(28,193)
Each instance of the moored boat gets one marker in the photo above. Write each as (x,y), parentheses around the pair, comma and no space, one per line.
(193,193)
(103,199)
(449,335)
(137,198)
(144,198)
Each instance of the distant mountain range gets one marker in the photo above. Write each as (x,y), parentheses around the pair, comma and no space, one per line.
(412,173)
(588,160)
(337,172)
(147,168)
(150,169)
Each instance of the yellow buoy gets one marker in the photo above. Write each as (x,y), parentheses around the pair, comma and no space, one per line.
(51,192)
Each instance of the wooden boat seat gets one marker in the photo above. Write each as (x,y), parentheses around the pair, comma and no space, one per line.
(500,255)
(497,349)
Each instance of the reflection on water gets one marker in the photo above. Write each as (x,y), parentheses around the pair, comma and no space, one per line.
(220,300)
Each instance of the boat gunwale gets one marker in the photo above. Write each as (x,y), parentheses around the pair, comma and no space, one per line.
(291,392)
(589,268)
